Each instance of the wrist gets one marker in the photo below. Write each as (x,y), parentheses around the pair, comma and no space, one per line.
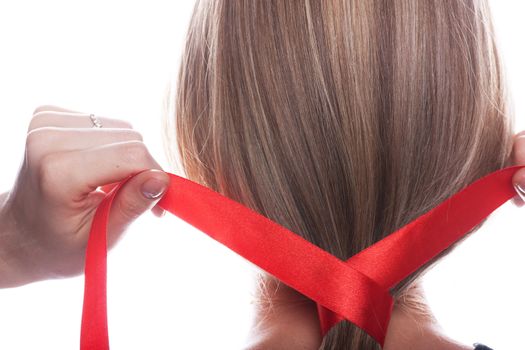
(14,253)
(7,269)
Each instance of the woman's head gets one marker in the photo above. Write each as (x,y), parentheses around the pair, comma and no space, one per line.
(341,120)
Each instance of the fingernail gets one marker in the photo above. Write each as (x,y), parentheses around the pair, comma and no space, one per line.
(520,188)
(153,188)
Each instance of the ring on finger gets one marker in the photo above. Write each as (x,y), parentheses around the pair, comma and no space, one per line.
(95,121)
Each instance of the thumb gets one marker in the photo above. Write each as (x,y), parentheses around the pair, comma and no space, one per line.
(518,181)
(137,196)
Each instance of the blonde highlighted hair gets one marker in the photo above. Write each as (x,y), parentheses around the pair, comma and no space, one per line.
(342,120)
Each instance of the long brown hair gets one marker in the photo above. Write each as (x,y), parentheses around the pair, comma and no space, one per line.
(342,120)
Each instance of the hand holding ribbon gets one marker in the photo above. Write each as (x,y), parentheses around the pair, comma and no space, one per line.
(46,217)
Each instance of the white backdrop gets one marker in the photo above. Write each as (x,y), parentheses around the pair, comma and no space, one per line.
(170,286)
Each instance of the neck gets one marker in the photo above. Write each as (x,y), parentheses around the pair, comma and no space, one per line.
(286,319)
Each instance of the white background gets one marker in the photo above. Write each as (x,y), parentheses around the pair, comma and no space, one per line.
(170,286)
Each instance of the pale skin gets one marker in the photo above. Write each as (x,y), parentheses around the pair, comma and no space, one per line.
(291,322)
(46,216)
(67,168)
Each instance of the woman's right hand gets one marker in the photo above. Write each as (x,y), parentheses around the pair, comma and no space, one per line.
(47,215)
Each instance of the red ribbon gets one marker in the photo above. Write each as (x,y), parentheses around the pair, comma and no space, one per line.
(356,290)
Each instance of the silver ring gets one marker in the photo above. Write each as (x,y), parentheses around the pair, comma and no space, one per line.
(95,121)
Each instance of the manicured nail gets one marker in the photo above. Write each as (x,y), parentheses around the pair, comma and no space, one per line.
(153,188)
(520,188)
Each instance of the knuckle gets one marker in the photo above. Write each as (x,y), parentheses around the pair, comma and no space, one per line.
(31,138)
(42,114)
(135,152)
(38,133)
(43,108)
(38,120)
(36,140)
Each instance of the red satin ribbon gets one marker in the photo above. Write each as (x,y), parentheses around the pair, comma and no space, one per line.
(356,290)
